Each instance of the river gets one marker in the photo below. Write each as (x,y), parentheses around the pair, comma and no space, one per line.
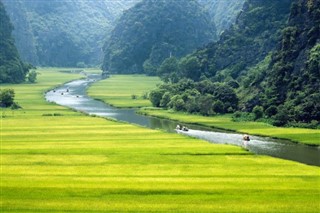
(73,95)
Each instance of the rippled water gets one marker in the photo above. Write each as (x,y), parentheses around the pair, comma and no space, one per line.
(73,95)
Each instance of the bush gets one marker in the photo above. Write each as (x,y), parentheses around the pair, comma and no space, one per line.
(155,97)
(218,106)
(271,111)
(165,99)
(258,112)
(177,103)
(145,96)
(134,97)
(15,106)
(282,117)
(6,97)
(32,76)
(242,116)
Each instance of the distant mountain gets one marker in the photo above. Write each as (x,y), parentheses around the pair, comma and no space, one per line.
(223,12)
(153,30)
(12,69)
(63,32)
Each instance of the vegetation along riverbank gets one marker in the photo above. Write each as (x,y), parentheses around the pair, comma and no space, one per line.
(115,91)
(56,160)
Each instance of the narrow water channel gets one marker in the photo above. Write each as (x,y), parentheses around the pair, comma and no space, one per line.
(73,95)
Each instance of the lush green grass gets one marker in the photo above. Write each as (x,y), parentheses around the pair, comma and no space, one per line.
(118,90)
(77,163)
(302,135)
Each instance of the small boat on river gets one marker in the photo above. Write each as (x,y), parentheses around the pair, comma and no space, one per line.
(182,128)
(246,138)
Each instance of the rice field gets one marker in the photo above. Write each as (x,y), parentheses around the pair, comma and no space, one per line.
(78,163)
(118,90)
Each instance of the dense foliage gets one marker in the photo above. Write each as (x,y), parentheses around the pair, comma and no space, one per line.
(247,42)
(12,69)
(6,97)
(204,97)
(63,33)
(292,85)
(153,30)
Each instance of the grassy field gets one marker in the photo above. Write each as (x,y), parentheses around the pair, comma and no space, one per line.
(119,89)
(77,163)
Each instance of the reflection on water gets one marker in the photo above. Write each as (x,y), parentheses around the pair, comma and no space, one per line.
(73,95)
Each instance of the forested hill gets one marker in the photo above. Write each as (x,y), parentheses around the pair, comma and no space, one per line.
(12,70)
(153,30)
(291,87)
(63,32)
(270,58)
(255,33)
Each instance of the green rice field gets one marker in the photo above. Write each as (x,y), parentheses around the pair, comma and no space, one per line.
(76,163)
(118,90)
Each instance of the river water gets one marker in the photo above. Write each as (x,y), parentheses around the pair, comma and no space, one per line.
(73,95)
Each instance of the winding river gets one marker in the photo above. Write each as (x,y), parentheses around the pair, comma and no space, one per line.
(73,95)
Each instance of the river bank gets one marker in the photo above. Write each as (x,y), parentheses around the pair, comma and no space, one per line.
(107,91)
(298,135)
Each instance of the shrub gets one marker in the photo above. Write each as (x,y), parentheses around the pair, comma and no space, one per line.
(155,97)
(6,97)
(258,112)
(32,76)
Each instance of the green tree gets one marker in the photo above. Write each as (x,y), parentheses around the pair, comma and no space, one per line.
(190,67)
(169,70)
(218,106)
(149,69)
(32,76)
(6,97)
(177,103)
(205,104)
(165,99)
(155,97)
(258,112)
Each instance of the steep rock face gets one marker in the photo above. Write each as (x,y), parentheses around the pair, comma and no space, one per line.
(293,82)
(152,31)
(223,13)
(22,32)
(63,33)
(12,70)
(248,41)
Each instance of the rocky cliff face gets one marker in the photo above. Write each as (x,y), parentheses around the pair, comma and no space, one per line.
(223,13)
(22,32)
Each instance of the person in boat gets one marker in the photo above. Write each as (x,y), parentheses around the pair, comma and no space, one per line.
(246,137)
(178,127)
(185,129)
